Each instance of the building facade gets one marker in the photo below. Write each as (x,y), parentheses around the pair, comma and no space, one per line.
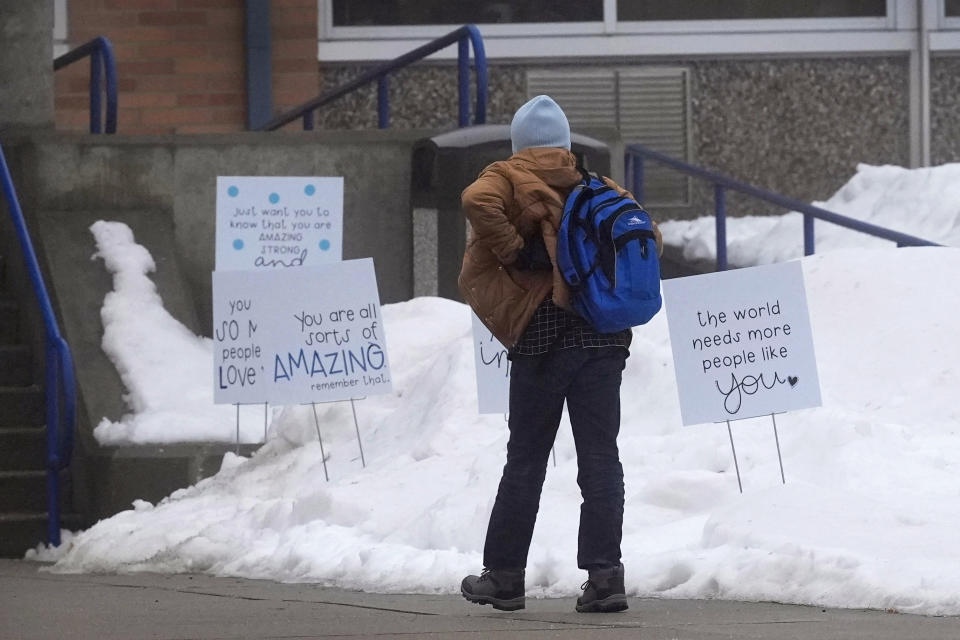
(787,95)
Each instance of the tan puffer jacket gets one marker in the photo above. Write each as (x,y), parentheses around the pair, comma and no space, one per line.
(511,202)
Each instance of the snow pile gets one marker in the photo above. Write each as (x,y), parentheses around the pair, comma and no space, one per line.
(867,518)
(166,369)
(924,203)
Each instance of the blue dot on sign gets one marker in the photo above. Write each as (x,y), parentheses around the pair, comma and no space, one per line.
(238,244)
(310,190)
(274,198)
(324,245)
(233,191)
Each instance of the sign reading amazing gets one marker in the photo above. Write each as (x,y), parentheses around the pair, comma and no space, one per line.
(312,335)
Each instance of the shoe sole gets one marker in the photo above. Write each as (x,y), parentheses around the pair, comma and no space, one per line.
(514,604)
(610,604)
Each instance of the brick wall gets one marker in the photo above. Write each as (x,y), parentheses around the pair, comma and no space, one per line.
(181,63)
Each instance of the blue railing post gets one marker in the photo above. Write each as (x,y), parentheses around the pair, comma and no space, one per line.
(383,102)
(102,64)
(110,76)
(95,83)
(638,179)
(308,121)
(720,204)
(463,81)
(480,69)
(53,437)
(60,384)
(808,237)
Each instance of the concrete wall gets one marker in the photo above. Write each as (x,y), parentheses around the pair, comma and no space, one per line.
(164,189)
(26,72)
(796,126)
(174,178)
(945,109)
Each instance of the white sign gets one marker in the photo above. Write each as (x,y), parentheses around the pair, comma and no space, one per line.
(265,222)
(493,370)
(742,344)
(313,334)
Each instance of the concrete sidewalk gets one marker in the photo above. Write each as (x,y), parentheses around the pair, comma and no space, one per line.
(36,604)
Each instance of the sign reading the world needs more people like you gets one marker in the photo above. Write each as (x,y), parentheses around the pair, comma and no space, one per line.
(742,343)
(313,335)
(267,222)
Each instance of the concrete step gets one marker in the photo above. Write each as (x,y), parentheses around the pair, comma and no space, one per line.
(23,449)
(16,364)
(22,531)
(21,406)
(23,491)
(9,321)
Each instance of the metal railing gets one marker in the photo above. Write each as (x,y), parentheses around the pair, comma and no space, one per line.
(464,37)
(60,385)
(635,154)
(103,74)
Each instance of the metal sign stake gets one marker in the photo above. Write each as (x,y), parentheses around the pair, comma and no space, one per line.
(735,463)
(238,428)
(553,450)
(323,456)
(777,438)
(264,422)
(357,429)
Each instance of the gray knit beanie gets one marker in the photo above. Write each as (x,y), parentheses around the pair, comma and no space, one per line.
(540,123)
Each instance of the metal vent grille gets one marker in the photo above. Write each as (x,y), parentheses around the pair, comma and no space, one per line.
(648,105)
(588,96)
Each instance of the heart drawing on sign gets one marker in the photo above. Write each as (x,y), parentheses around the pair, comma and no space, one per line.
(792,380)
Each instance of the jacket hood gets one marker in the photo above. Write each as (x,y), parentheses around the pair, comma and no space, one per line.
(555,167)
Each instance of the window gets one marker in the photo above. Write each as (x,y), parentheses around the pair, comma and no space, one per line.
(952,8)
(647,10)
(352,30)
(382,13)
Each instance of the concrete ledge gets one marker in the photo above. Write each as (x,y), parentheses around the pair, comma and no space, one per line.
(109,479)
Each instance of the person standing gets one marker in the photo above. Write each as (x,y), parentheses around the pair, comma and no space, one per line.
(510,279)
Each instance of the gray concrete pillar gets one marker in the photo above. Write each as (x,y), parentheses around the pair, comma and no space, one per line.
(26,64)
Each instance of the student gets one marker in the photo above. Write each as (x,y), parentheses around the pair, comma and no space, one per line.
(510,279)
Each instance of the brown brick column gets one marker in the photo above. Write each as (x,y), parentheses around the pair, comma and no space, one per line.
(181,63)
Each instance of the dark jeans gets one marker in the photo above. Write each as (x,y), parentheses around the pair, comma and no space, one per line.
(589,380)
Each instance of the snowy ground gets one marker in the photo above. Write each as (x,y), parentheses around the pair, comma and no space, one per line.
(868,516)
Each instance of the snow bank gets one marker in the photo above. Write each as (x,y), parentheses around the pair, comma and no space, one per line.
(166,369)
(867,517)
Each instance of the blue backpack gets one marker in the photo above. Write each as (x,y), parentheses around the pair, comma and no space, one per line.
(607,254)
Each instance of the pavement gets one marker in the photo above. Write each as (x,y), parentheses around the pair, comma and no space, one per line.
(37,604)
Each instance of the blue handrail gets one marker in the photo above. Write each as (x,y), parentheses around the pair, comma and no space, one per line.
(101,61)
(635,155)
(60,386)
(465,36)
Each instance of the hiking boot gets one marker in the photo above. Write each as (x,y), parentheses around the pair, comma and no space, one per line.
(603,591)
(501,588)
